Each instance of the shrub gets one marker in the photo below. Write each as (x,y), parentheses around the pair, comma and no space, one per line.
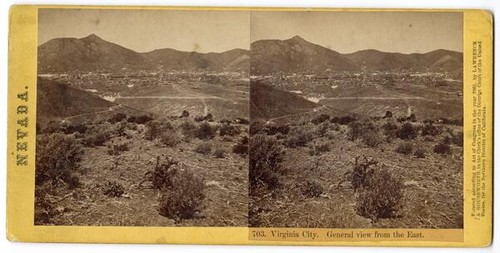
(113,189)
(162,175)
(117,149)
(220,153)
(344,120)
(298,137)
(273,130)
(372,139)
(442,148)
(170,138)
(184,114)
(228,129)
(419,152)
(189,129)
(74,128)
(241,147)
(205,131)
(143,119)
(266,156)
(185,198)
(405,148)
(361,173)
(430,129)
(457,139)
(257,127)
(359,129)
(323,128)
(131,119)
(117,118)
(204,148)
(312,189)
(319,149)
(381,198)
(155,129)
(96,137)
(44,208)
(407,132)
(57,156)
(390,130)
(320,119)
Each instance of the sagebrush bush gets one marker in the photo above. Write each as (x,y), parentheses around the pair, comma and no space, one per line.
(45,210)
(185,198)
(113,189)
(430,129)
(228,129)
(320,119)
(407,132)
(154,129)
(319,149)
(372,139)
(419,152)
(241,147)
(362,172)
(161,177)
(442,148)
(117,149)
(143,119)
(170,138)
(298,137)
(203,148)
(390,130)
(57,156)
(312,189)
(205,131)
(382,198)
(457,138)
(220,153)
(189,129)
(323,128)
(117,118)
(266,155)
(96,137)
(405,148)
(359,129)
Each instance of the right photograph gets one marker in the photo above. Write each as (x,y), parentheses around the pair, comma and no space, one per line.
(356,119)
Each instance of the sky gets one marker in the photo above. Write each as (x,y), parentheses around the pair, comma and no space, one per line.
(146,30)
(218,31)
(347,32)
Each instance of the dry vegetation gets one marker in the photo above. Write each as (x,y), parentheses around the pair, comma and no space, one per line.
(343,172)
(135,170)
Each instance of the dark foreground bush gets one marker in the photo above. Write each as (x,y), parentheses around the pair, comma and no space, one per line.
(241,147)
(405,148)
(266,156)
(96,137)
(57,156)
(442,148)
(205,131)
(142,119)
(407,132)
(298,137)
(184,199)
(117,118)
(420,152)
(113,189)
(203,148)
(361,173)
(220,153)
(429,129)
(312,189)
(228,129)
(382,198)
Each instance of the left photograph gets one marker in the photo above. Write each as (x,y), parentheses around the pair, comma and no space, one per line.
(142,118)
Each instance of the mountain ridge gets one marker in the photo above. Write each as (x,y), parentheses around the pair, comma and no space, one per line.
(267,56)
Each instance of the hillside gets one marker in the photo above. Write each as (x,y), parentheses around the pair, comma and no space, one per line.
(295,55)
(438,60)
(298,55)
(268,102)
(92,53)
(86,54)
(57,100)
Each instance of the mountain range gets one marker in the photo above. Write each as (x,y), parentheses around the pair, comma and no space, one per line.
(293,55)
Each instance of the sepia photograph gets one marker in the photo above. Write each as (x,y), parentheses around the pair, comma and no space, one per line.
(356,120)
(142,118)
